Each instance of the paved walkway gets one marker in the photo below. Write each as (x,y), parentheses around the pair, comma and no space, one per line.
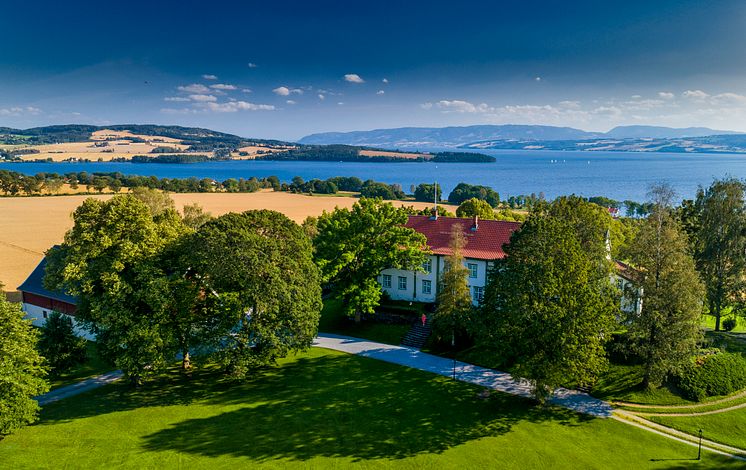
(496,380)
(79,387)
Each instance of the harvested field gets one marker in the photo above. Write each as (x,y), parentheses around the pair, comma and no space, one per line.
(30,225)
(382,153)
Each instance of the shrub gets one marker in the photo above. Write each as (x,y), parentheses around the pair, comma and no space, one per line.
(60,346)
(729,324)
(713,375)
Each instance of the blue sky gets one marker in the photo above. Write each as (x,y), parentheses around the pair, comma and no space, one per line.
(287,69)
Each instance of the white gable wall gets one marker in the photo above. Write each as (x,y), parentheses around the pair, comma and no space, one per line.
(38,317)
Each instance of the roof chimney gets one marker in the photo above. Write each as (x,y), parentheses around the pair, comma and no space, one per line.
(435,201)
(476,224)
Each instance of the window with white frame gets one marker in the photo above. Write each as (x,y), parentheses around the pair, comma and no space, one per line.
(472,270)
(477,293)
(402,283)
(428,266)
(427,286)
(387,281)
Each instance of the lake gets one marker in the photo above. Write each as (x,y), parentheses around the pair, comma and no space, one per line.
(618,175)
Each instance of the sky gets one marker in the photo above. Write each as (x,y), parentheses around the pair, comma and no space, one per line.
(287,69)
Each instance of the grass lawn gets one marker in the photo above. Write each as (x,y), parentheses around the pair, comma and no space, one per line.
(727,428)
(333,320)
(93,366)
(708,321)
(622,382)
(325,409)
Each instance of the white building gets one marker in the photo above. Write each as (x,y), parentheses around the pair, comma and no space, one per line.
(485,240)
(484,244)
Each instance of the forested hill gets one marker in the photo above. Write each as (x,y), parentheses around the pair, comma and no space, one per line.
(82,133)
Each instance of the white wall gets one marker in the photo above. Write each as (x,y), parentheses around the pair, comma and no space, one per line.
(36,314)
(414,280)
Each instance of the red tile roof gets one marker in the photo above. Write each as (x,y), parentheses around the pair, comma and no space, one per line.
(486,242)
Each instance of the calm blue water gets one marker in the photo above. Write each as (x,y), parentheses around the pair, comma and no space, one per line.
(616,175)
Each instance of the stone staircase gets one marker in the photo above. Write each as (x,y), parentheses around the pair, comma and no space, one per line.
(417,336)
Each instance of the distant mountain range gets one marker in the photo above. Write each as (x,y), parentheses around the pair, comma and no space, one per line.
(502,136)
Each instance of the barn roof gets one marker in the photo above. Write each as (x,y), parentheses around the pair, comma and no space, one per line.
(483,241)
(34,285)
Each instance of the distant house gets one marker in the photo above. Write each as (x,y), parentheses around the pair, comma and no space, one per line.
(38,302)
(484,244)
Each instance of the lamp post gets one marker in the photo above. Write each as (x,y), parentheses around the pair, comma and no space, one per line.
(453,351)
(699,451)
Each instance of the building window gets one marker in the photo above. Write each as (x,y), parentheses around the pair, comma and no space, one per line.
(478,294)
(44,313)
(402,283)
(427,286)
(387,281)
(428,266)
(472,270)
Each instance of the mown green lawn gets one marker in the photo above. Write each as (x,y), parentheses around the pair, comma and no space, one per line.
(708,321)
(325,409)
(727,428)
(333,320)
(94,365)
(623,383)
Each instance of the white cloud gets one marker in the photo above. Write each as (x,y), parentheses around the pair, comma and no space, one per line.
(247,90)
(460,106)
(729,99)
(175,98)
(20,110)
(281,91)
(321,97)
(538,79)
(695,94)
(177,111)
(385,80)
(233,106)
(202,98)
(210,77)
(194,88)
(252,65)
(665,95)
(353,78)
(223,86)
(291,102)
(426,106)
(340,103)
(569,104)
(380,92)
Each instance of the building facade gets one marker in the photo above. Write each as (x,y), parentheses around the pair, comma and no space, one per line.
(484,244)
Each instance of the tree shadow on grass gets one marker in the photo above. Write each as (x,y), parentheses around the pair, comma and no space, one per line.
(329,406)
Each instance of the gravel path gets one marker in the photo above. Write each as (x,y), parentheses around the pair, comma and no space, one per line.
(78,388)
(489,378)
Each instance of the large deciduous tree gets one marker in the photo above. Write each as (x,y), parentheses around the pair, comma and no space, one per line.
(475,207)
(720,243)
(22,369)
(258,268)
(665,333)
(549,305)
(354,246)
(110,261)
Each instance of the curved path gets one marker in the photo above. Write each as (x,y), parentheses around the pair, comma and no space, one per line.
(681,407)
(79,387)
(489,378)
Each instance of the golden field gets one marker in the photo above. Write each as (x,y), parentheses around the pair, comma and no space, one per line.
(30,225)
(107,144)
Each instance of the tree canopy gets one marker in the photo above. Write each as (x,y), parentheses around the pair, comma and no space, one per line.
(354,246)
(22,369)
(665,333)
(548,308)
(258,266)
(475,207)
